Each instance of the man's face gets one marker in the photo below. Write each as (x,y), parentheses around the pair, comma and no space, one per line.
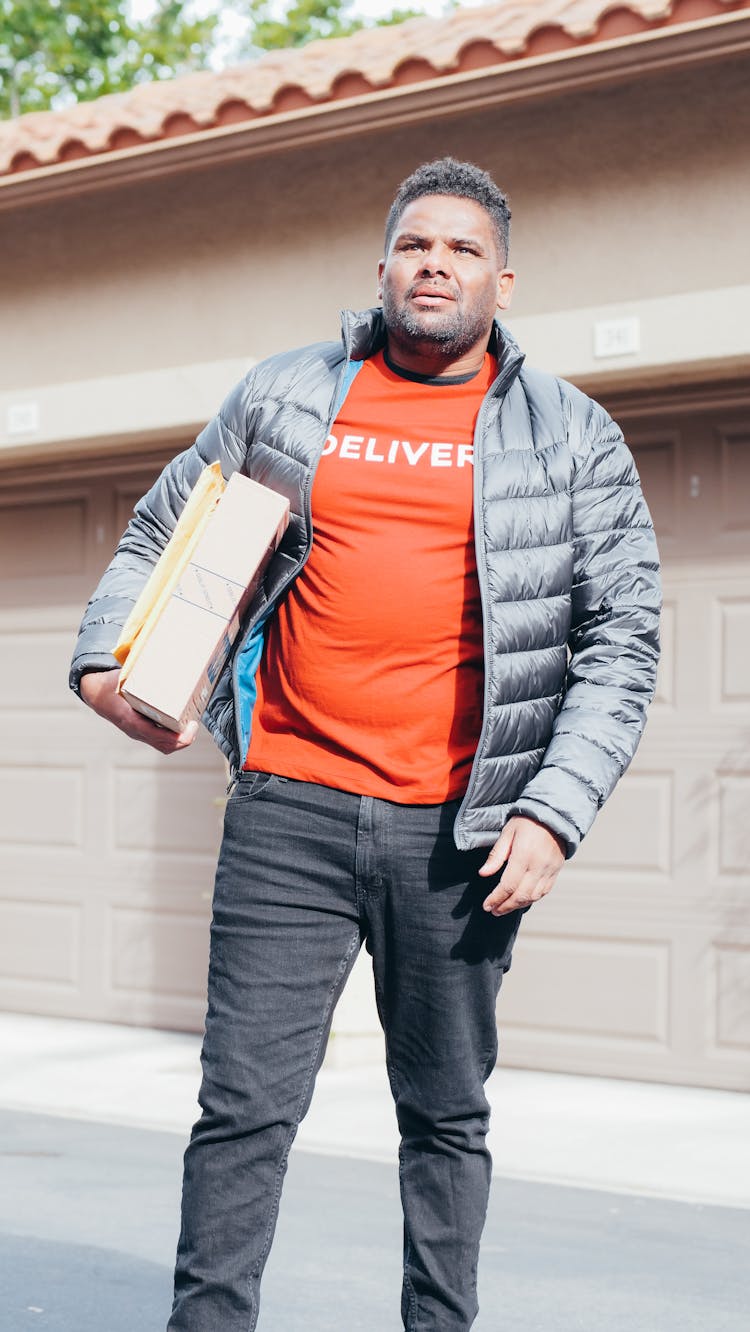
(443,280)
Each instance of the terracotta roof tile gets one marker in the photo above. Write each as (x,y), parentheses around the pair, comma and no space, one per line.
(325,71)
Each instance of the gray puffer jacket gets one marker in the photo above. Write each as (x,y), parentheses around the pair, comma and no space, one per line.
(567,562)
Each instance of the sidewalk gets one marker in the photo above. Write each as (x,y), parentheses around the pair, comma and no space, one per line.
(684,1144)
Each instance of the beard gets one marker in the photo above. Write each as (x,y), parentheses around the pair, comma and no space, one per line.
(450,332)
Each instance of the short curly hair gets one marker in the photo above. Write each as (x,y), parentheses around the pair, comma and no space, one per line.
(463,180)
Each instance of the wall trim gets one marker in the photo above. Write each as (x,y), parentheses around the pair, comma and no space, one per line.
(124,414)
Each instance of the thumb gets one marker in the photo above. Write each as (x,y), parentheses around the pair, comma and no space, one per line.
(499,853)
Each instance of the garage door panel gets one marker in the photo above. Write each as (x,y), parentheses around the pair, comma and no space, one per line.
(688,1021)
(158,951)
(732,636)
(735,480)
(34,668)
(30,532)
(634,831)
(706,638)
(732,851)
(659,459)
(658,838)
(151,815)
(40,942)
(612,988)
(41,806)
(730,977)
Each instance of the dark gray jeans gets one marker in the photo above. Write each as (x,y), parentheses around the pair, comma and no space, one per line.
(305,874)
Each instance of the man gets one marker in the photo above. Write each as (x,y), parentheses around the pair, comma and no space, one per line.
(460,660)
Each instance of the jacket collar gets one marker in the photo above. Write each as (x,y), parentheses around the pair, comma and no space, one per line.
(363,334)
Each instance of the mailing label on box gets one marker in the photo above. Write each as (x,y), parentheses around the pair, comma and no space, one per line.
(209,591)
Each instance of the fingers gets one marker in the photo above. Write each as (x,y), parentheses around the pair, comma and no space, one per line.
(99,690)
(187,736)
(500,851)
(158,737)
(506,898)
(532,856)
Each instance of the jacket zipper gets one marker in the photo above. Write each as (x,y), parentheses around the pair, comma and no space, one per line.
(481,557)
(481,554)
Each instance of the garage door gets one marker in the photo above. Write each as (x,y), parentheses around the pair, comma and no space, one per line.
(107,848)
(638,965)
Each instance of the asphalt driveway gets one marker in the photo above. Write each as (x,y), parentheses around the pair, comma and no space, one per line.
(88,1223)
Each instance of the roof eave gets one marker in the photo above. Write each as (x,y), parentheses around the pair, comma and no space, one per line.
(639,56)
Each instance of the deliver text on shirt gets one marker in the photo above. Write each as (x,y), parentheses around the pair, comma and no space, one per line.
(439,453)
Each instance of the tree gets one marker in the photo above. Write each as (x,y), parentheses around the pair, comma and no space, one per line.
(306,20)
(56,51)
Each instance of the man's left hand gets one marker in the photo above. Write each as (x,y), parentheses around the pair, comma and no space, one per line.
(532,856)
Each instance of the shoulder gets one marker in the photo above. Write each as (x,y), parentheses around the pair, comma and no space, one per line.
(599,455)
(302,378)
(557,400)
(319,359)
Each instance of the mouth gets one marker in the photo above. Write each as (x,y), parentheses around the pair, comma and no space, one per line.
(428,296)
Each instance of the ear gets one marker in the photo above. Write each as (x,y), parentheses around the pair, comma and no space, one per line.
(505,282)
(381,270)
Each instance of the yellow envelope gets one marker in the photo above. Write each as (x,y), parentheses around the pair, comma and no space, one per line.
(171,564)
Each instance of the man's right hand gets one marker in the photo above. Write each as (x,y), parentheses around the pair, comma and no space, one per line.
(99,691)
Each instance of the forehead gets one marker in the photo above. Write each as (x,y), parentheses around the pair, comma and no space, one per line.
(448,217)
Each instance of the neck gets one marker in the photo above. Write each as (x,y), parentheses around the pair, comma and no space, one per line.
(428,360)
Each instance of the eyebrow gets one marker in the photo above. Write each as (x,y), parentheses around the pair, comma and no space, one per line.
(454,240)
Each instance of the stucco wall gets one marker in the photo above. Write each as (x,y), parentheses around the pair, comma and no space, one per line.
(636,192)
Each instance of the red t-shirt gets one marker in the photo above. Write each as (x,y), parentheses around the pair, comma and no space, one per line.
(372,675)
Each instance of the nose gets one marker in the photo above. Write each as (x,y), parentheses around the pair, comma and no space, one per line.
(436,262)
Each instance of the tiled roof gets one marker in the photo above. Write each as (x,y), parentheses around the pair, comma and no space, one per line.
(372,60)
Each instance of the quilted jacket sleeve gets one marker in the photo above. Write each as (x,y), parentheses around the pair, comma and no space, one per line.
(224,441)
(613,643)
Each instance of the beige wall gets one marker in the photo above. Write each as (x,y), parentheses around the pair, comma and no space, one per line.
(635,193)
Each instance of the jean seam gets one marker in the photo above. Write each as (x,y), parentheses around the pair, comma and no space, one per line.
(412,1311)
(412,1294)
(393,1079)
(242,796)
(255,1274)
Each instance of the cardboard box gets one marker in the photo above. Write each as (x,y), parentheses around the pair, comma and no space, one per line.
(201,593)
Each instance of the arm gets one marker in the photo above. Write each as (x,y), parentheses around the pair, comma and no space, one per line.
(614,649)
